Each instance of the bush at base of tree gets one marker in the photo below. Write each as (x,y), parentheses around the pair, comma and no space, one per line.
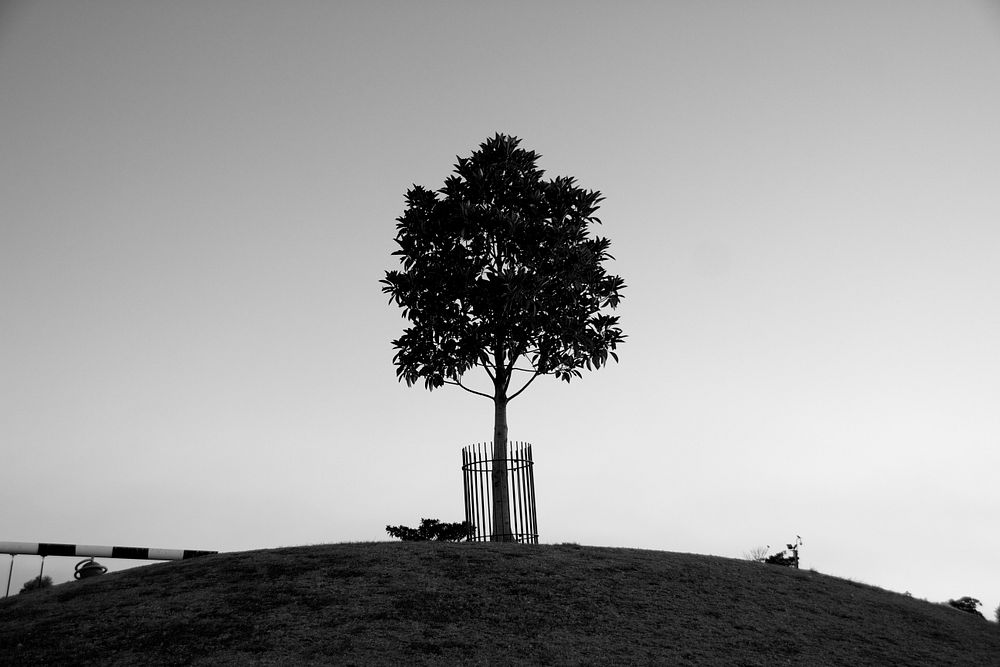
(432,529)
(967,605)
(36,583)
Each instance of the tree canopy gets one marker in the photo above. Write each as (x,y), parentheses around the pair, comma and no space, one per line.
(499,270)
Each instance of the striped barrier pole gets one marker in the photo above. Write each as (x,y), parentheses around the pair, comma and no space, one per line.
(44,549)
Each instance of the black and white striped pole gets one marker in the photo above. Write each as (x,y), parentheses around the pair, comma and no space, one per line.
(44,549)
(90,550)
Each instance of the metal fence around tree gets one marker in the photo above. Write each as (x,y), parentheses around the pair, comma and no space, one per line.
(477,470)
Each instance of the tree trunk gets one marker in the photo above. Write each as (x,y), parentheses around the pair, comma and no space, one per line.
(501,501)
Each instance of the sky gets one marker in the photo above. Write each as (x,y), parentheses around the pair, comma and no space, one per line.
(199,199)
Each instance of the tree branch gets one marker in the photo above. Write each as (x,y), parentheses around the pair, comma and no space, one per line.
(508,372)
(513,367)
(471,391)
(484,360)
(518,392)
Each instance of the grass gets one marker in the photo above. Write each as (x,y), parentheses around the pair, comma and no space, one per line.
(446,603)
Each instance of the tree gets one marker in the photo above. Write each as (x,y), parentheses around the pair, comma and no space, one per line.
(967,604)
(499,272)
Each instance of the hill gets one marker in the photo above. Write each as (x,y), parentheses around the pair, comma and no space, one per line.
(448,603)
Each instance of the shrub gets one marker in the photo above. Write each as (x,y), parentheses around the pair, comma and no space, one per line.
(757,553)
(967,605)
(997,613)
(432,529)
(36,584)
(781,559)
(791,560)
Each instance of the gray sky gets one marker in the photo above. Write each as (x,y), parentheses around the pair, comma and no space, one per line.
(198,201)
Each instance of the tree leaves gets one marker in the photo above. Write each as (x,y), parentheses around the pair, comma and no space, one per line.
(497,266)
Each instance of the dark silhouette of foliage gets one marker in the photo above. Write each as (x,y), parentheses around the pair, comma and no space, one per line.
(787,558)
(968,605)
(499,271)
(36,584)
(781,559)
(432,529)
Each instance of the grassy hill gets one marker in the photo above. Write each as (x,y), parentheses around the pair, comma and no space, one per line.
(447,603)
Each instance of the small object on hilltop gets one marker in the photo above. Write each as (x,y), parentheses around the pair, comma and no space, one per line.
(968,605)
(88,568)
(432,529)
(787,561)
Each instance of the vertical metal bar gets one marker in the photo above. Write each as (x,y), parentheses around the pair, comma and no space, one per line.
(477,501)
(486,492)
(512,488)
(523,488)
(534,511)
(515,483)
(527,490)
(470,491)
(465,488)
(525,537)
(524,492)
(473,500)
(477,491)
(527,495)
(470,483)
(512,508)
(530,492)
(10,573)
(474,491)
(478,485)
(496,462)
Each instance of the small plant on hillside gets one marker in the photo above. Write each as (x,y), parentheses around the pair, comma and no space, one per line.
(967,605)
(757,553)
(997,613)
(432,529)
(782,559)
(36,584)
